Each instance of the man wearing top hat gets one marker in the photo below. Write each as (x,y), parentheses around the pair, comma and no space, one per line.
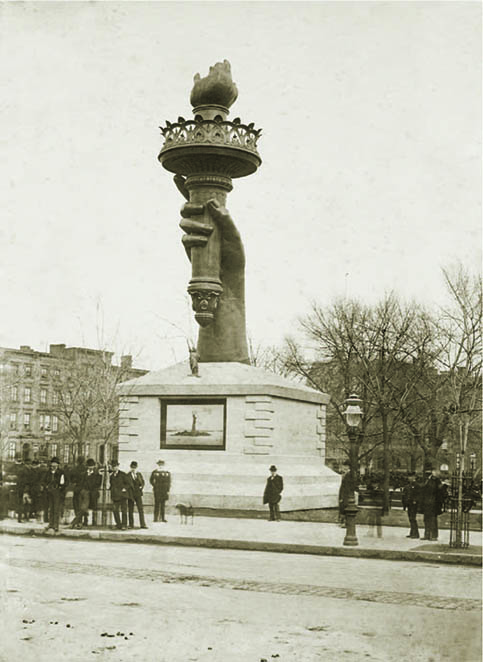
(161,481)
(54,488)
(119,487)
(273,493)
(135,482)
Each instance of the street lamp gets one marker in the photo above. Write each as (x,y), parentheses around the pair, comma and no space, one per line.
(353,417)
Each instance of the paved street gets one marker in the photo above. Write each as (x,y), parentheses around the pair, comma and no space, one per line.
(81,600)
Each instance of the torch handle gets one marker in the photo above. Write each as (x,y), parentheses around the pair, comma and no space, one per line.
(205,260)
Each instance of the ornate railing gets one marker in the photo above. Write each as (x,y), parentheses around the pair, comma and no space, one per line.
(210,132)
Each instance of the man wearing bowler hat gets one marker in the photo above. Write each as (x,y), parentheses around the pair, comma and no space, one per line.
(161,481)
(410,500)
(273,493)
(135,482)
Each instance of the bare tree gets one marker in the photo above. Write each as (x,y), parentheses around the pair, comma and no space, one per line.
(460,357)
(88,402)
(370,350)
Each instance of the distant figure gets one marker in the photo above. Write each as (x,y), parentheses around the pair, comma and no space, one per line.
(82,498)
(135,482)
(24,499)
(77,483)
(119,492)
(54,487)
(94,482)
(431,501)
(410,501)
(161,481)
(345,491)
(36,490)
(194,358)
(273,493)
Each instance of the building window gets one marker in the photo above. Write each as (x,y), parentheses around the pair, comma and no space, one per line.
(44,420)
(66,454)
(16,368)
(43,396)
(68,399)
(26,421)
(28,370)
(27,394)
(55,398)
(56,373)
(12,447)
(13,420)
(14,394)
(55,423)
(44,372)
(35,450)
(53,449)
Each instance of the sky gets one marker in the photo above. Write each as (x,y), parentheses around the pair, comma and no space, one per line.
(371,161)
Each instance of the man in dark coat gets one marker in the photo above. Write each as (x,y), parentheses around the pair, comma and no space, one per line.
(54,488)
(161,481)
(93,485)
(135,495)
(431,504)
(410,501)
(119,492)
(345,491)
(82,498)
(273,493)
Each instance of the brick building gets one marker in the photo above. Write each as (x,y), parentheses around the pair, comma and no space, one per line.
(34,400)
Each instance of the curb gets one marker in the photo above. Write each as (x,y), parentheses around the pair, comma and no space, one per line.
(456,558)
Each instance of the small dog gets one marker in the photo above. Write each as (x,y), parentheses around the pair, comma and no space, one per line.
(185,512)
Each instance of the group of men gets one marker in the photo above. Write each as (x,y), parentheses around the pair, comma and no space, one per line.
(43,491)
(427,497)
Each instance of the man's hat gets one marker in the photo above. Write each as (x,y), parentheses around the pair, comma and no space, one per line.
(35,462)
(273,468)
(160,462)
(91,463)
(411,473)
(133,464)
(114,463)
(346,463)
(55,460)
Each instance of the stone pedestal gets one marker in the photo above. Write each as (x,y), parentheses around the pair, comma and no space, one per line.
(268,420)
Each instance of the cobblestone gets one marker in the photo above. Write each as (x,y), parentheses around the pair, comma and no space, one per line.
(341,593)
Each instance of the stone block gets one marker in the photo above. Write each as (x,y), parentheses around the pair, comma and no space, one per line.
(258,415)
(264,406)
(258,398)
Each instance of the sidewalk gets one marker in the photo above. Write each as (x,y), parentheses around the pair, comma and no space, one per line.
(261,535)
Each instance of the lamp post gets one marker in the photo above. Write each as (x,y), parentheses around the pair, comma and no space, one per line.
(353,417)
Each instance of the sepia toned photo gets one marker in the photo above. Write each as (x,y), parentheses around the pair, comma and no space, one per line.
(240,342)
